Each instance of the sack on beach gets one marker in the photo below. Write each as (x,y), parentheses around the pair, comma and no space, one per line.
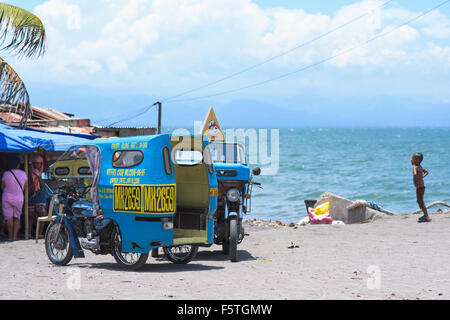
(324,218)
(322,209)
(304,221)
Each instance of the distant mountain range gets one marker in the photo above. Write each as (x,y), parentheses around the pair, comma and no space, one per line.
(321,111)
(302,110)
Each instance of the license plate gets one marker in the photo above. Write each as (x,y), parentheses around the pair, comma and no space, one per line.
(144,199)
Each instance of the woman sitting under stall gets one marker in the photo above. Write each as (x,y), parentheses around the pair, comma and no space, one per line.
(38,197)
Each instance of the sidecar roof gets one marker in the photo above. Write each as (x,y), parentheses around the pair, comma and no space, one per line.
(141,139)
(105,141)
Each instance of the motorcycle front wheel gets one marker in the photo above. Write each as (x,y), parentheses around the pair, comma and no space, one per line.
(181,254)
(127,260)
(57,244)
(233,239)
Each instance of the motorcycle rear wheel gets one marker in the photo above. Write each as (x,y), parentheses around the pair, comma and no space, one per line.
(127,260)
(57,244)
(181,254)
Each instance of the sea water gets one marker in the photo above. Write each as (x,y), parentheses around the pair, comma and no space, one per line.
(372,164)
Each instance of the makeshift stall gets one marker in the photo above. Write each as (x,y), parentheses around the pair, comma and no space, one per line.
(26,141)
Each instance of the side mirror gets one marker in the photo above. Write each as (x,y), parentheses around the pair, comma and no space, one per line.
(256,171)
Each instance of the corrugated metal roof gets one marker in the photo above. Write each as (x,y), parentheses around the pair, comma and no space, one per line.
(48,114)
(114,128)
(52,120)
(10,117)
(84,130)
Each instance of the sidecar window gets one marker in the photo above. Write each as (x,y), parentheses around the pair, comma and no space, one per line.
(62,171)
(74,153)
(188,157)
(167,164)
(127,158)
(227,152)
(84,171)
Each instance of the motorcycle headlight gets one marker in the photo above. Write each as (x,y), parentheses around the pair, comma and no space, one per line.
(233,195)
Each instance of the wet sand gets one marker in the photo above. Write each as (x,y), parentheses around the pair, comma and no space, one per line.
(392,258)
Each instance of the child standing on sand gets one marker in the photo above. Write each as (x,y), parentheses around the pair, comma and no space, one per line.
(418,174)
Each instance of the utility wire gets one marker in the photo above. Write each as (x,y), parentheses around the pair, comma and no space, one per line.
(316,63)
(148,108)
(277,56)
(247,69)
(119,116)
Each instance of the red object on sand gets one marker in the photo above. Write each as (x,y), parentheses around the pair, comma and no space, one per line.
(319,219)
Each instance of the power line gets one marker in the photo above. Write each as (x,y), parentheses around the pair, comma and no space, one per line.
(314,64)
(148,108)
(122,119)
(120,116)
(276,56)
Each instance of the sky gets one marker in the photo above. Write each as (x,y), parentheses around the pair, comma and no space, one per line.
(110,59)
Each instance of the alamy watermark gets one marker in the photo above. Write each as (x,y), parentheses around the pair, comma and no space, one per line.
(73,17)
(262,146)
(74,280)
(374,279)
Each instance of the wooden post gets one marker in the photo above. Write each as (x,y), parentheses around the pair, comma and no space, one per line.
(159,104)
(27,223)
(159,117)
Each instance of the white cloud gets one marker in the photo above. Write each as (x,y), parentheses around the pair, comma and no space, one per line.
(81,65)
(441,53)
(60,13)
(398,37)
(182,42)
(439,28)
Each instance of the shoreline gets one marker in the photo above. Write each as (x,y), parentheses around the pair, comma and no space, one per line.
(281,224)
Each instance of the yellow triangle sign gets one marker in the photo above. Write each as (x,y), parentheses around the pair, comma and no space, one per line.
(211,127)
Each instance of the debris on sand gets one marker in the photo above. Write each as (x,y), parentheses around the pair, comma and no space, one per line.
(269,223)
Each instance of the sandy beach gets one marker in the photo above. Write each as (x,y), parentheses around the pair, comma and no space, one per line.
(410,261)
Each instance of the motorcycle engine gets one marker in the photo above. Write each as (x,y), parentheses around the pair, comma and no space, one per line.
(88,226)
(92,240)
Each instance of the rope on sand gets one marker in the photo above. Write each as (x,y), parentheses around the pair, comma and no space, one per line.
(363,203)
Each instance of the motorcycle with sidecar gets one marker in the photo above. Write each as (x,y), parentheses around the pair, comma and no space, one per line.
(128,196)
(235,185)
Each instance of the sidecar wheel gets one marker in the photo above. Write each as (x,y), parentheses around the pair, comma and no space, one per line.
(127,260)
(57,244)
(181,254)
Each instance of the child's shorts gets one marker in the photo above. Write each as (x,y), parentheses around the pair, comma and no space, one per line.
(12,210)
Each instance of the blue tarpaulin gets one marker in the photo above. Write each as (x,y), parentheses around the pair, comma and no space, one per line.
(13,139)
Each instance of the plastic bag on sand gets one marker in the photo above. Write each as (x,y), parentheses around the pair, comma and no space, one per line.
(322,209)
(323,218)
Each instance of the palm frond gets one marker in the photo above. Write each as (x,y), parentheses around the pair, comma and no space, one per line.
(13,93)
(21,32)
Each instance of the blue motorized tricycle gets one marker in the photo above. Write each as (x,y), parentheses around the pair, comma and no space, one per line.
(128,196)
(235,185)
